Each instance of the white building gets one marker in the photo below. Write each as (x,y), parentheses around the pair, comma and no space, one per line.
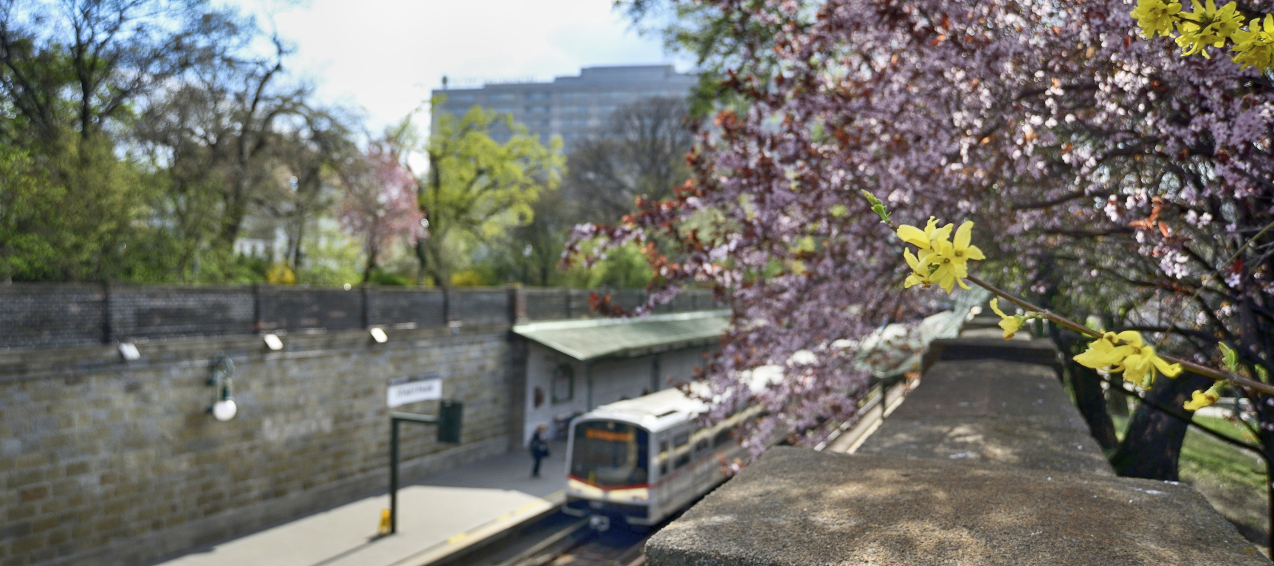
(574,366)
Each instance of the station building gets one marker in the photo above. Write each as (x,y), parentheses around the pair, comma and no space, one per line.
(574,366)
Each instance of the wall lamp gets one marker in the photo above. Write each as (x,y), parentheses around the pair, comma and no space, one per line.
(223,407)
(273,342)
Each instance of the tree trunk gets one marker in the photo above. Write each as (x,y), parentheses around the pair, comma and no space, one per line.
(1116,404)
(1092,404)
(1088,392)
(1153,442)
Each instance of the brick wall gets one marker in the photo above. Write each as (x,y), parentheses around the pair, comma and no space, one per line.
(59,315)
(110,462)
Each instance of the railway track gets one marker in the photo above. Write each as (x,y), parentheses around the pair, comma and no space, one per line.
(581,545)
(558,540)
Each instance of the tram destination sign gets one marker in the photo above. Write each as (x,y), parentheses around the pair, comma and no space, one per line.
(427,387)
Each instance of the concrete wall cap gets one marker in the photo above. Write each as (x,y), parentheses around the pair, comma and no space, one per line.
(799,507)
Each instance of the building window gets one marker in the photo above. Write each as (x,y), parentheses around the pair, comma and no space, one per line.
(563,383)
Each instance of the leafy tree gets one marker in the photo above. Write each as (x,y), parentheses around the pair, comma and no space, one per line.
(73,76)
(31,226)
(477,188)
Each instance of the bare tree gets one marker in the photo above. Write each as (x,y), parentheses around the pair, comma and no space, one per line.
(641,152)
(106,54)
(304,157)
(213,136)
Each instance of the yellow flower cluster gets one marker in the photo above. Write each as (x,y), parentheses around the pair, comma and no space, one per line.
(1255,48)
(939,261)
(1208,26)
(1127,353)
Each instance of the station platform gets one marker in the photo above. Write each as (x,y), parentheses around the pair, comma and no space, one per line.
(438,515)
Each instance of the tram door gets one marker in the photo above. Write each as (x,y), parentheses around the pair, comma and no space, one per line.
(663,494)
(705,467)
(683,475)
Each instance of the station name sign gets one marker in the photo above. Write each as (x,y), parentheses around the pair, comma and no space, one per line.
(406,390)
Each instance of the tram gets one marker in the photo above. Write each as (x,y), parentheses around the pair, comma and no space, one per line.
(640,460)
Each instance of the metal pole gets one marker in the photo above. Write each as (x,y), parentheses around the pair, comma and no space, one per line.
(393,475)
(588,379)
(107,331)
(394,419)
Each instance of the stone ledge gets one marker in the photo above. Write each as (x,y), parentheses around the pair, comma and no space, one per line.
(1007,412)
(1040,351)
(797,507)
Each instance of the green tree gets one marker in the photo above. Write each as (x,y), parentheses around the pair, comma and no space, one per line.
(31,230)
(477,188)
(73,75)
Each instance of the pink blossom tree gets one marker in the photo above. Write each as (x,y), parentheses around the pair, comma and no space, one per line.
(1107,176)
(379,201)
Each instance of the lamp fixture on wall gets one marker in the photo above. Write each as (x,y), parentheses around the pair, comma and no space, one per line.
(273,342)
(223,407)
(378,334)
(128,351)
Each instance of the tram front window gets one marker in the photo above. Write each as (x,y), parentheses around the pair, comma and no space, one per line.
(610,454)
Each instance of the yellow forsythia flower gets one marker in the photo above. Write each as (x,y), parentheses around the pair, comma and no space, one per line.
(952,258)
(919,269)
(1126,352)
(924,239)
(1010,324)
(1156,17)
(940,261)
(1201,399)
(1207,26)
(921,265)
(1255,48)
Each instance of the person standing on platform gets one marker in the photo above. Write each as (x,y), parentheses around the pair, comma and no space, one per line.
(539,448)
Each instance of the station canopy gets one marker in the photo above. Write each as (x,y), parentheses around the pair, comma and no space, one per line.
(624,337)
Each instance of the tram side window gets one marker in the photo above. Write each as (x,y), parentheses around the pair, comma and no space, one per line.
(721,438)
(679,448)
(663,457)
(702,445)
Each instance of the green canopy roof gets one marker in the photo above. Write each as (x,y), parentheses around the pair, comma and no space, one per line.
(603,337)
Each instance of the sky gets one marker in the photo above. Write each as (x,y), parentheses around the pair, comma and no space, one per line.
(385,55)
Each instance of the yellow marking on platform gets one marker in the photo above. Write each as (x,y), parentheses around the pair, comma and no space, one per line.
(528,507)
(532,506)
